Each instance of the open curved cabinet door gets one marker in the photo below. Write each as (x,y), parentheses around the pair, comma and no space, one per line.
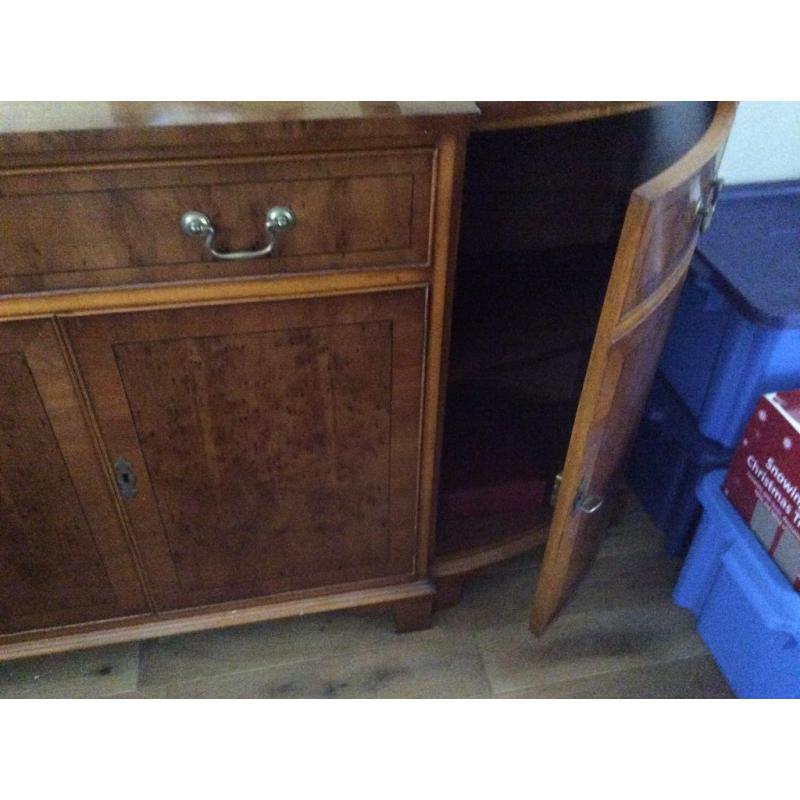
(663,220)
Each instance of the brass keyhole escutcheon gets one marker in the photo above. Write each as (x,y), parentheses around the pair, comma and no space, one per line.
(126,478)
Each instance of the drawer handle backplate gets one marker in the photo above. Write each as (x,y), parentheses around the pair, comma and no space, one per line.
(198,225)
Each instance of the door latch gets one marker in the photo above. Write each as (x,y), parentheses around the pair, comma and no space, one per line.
(126,478)
(587,503)
(704,209)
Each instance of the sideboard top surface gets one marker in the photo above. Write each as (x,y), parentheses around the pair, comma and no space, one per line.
(51,132)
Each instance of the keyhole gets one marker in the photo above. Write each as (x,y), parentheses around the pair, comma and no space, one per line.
(126,480)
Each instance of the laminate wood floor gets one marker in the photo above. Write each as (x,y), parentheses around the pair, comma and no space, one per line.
(620,636)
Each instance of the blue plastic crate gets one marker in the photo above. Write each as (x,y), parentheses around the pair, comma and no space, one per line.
(747,612)
(736,331)
(668,460)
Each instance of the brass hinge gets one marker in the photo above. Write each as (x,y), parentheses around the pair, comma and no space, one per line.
(556,488)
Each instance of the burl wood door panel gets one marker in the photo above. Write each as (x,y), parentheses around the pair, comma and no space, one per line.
(63,555)
(275,444)
(112,226)
(655,248)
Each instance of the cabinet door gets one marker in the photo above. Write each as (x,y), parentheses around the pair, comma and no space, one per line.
(64,558)
(656,245)
(274,445)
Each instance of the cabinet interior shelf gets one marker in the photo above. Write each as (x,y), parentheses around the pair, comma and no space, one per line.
(522,331)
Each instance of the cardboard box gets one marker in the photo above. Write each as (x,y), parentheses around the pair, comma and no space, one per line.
(763,481)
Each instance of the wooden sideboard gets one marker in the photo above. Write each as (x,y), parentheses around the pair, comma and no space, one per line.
(191,440)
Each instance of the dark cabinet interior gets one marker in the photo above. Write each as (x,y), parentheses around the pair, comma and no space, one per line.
(542,213)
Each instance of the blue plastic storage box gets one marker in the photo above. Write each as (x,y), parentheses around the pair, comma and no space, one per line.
(736,331)
(668,459)
(747,612)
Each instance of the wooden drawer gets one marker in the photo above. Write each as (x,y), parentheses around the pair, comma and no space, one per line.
(111,226)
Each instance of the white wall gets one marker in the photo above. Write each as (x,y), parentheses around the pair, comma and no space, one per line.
(764,144)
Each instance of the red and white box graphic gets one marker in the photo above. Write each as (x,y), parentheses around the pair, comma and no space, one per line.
(763,481)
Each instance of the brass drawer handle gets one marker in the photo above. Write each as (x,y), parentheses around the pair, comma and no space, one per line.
(197,224)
